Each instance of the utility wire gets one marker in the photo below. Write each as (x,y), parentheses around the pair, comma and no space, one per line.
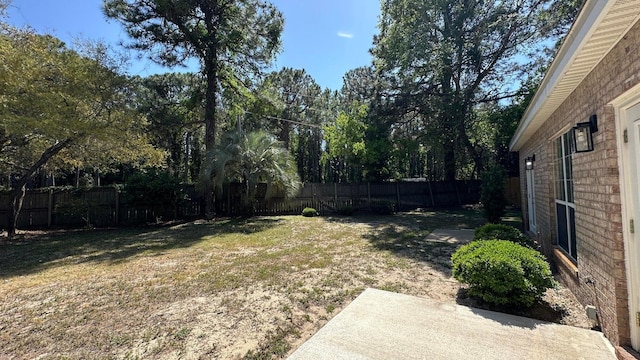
(300,94)
(287,120)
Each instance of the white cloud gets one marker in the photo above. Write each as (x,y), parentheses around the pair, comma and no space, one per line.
(345,35)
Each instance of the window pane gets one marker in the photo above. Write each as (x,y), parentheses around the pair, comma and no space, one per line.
(559,168)
(568,167)
(560,190)
(564,168)
(563,234)
(566,147)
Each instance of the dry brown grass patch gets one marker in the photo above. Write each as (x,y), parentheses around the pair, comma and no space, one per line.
(252,288)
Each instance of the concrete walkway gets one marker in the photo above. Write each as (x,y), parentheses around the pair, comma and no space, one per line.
(460,236)
(384,325)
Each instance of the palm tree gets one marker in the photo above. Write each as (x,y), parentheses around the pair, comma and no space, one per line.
(252,158)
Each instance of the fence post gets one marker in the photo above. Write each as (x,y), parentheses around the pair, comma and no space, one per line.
(50,207)
(335,194)
(117,213)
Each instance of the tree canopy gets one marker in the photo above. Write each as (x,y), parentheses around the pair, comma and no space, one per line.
(346,148)
(445,58)
(59,108)
(172,104)
(233,40)
(448,82)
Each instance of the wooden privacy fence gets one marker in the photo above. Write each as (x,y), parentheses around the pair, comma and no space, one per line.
(105,206)
(333,197)
(512,191)
(88,207)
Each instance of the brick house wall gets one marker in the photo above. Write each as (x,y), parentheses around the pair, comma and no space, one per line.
(599,276)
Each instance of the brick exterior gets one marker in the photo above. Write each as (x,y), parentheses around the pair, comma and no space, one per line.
(600,279)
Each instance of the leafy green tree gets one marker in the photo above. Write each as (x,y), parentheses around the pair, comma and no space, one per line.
(346,146)
(376,166)
(59,106)
(409,155)
(364,86)
(359,85)
(172,103)
(296,93)
(233,40)
(310,152)
(496,124)
(492,193)
(444,58)
(154,188)
(252,158)
(290,103)
(296,98)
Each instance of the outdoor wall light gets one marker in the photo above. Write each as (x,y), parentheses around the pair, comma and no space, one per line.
(528,162)
(583,134)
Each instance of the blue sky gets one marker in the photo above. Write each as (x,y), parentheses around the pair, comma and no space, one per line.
(325,37)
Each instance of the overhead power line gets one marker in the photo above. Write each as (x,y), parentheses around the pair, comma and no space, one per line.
(288,120)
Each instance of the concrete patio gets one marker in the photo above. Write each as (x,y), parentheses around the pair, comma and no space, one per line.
(384,325)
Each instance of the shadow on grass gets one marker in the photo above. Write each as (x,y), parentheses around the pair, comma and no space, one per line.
(405,234)
(32,253)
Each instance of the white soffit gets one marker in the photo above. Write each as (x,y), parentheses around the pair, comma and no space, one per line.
(598,28)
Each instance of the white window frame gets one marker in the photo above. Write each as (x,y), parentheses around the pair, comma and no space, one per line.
(565,140)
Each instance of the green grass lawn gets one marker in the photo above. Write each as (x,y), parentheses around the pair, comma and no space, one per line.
(248,288)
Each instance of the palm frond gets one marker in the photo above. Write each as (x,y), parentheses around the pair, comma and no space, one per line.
(252,158)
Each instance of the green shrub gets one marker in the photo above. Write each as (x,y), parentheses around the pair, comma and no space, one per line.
(76,206)
(153,188)
(502,272)
(502,232)
(492,194)
(309,212)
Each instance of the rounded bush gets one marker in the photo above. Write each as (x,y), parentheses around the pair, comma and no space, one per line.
(309,212)
(502,232)
(502,272)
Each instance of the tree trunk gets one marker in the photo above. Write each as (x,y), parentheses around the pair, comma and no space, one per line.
(187,152)
(15,205)
(449,164)
(211,74)
(285,132)
(317,172)
(17,194)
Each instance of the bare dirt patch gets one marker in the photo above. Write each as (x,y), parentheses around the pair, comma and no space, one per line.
(230,289)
